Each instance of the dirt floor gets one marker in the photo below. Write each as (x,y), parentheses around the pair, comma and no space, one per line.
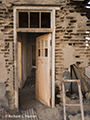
(27,100)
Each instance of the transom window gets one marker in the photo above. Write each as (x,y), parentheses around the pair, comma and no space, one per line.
(34,20)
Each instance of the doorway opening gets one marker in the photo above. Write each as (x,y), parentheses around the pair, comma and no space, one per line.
(31,20)
(29,89)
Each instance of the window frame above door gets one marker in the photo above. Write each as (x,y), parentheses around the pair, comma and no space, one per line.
(29,18)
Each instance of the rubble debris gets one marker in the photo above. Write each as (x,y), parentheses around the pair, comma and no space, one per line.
(88,96)
(78,117)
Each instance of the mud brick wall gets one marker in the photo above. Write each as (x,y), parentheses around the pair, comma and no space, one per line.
(70,43)
(6,51)
(7,72)
(70,46)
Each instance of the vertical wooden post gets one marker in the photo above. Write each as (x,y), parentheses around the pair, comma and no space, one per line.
(83,80)
(39,19)
(15,60)
(28,19)
(71,78)
(78,78)
(53,57)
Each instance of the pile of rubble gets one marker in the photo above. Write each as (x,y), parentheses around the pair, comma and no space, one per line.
(78,117)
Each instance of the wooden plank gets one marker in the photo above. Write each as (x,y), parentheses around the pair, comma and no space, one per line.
(28,19)
(80,98)
(20,63)
(81,103)
(39,30)
(64,101)
(83,78)
(53,58)
(39,19)
(43,82)
(77,78)
(31,113)
(15,63)
(42,8)
(83,73)
(22,114)
(46,11)
(73,105)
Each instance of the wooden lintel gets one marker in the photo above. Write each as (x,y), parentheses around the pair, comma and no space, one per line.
(39,30)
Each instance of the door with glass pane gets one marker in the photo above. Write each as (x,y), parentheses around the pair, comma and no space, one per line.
(43,66)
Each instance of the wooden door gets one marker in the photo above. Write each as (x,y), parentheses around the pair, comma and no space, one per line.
(43,66)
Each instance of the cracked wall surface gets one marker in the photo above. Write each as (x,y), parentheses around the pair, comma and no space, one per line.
(71,48)
(6,50)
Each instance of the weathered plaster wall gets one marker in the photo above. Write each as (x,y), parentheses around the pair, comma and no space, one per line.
(71,26)
(34,2)
(70,40)
(6,52)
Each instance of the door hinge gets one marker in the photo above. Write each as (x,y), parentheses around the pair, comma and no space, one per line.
(51,42)
(50,72)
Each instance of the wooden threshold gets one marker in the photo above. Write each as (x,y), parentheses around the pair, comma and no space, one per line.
(39,30)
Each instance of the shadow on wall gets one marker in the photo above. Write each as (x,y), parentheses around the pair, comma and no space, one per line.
(3,98)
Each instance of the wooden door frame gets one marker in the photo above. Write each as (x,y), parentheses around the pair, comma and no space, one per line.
(52,9)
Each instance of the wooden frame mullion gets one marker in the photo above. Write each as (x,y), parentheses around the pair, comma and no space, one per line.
(39,19)
(28,19)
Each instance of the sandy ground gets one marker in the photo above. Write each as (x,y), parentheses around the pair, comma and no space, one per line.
(27,100)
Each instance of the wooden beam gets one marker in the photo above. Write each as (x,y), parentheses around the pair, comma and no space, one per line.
(35,30)
(39,19)
(28,19)
(74,72)
(15,59)
(42,8)
(53,58)
(78,78)
(71,78)
(83,78)
(83,73)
